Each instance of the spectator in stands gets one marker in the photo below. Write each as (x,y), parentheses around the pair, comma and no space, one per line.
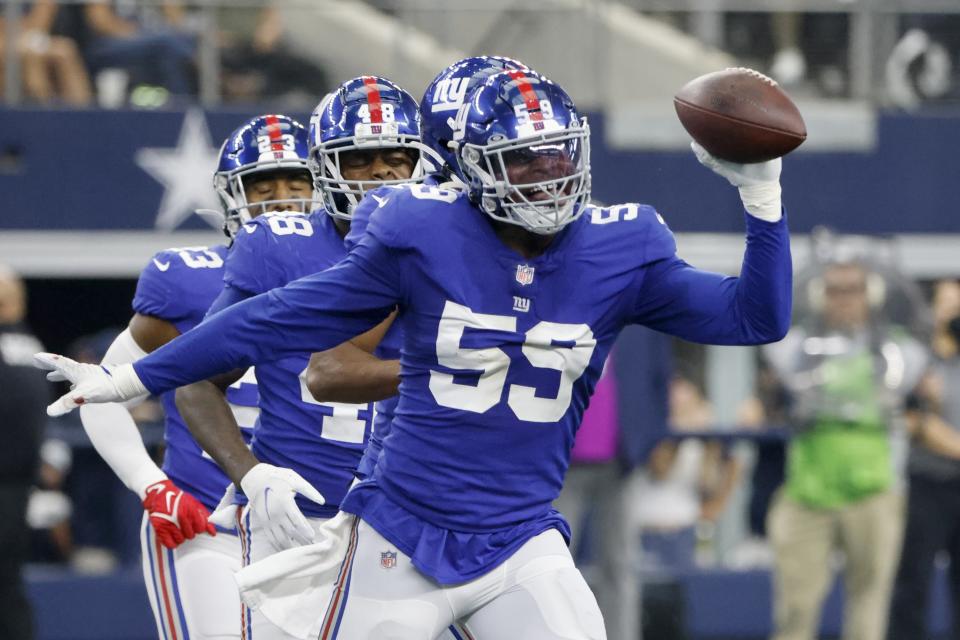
(933,507)
(617,432)
(50,65)
(789,65)
(259,65)
(800,50)
(686,482)
(147,40)
(847,371)
(22,416)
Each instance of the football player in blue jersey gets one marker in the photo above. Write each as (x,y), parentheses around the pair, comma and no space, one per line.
(359,369)
(365,134)
(188,574)
(510,295)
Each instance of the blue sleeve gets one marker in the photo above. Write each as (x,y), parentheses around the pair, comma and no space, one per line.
(314,313)
(228,297)
(705,307)
(248,266)
(153,296)
(166,290)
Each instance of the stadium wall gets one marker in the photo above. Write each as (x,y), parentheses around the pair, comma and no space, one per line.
(88,193)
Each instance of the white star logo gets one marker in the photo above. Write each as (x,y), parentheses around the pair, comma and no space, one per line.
(186,172)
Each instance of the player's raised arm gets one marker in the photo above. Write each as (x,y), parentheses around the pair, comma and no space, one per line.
(700,306)
(314,313)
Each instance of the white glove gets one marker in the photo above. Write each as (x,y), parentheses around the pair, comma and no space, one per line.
(225,515)
(94,383)
(271,491)
(759,183)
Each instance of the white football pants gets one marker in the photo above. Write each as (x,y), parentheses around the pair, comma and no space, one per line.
(255,546)
(191,588)
(537,594)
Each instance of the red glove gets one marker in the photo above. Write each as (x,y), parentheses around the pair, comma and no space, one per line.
(175,514)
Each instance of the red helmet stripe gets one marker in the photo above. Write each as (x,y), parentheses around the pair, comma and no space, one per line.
(528,94)
(373,99)
(274,131)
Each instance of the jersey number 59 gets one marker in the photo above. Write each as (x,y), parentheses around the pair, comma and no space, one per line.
(566,348)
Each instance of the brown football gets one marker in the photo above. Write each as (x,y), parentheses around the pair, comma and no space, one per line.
(740,115)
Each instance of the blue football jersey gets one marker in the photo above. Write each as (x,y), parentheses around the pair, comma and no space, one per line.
(500,354)
(177,286)
(323,442)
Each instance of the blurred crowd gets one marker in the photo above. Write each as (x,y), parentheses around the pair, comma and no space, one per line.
(916,62)
(145,54)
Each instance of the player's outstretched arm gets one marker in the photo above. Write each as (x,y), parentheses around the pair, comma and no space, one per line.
(351,373)
(314,313)
(116,438)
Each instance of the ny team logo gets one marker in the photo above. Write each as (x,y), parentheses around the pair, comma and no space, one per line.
(449,93)
(388,559)
(524,274)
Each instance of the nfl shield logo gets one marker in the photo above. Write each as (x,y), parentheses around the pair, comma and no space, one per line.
(388,559)
(524,274)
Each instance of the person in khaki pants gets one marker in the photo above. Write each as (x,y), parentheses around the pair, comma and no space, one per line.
(804,539)
(846,372)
